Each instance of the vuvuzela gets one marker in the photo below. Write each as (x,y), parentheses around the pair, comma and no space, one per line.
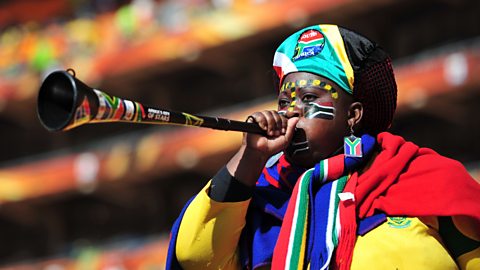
(64,102)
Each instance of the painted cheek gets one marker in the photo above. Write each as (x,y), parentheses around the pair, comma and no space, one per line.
(321,110)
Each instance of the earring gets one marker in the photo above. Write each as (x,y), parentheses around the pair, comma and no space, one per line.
(352,145)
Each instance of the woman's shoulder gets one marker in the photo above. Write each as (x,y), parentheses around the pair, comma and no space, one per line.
(421,158)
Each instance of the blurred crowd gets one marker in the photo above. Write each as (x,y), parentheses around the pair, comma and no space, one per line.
(92,29)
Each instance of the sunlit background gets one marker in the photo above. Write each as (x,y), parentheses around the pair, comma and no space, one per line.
(104,196)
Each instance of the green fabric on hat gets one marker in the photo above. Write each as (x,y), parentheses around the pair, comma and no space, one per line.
(315,50)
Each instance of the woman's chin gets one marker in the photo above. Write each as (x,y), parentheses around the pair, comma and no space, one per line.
(299,151)
(306,158)
(301,159)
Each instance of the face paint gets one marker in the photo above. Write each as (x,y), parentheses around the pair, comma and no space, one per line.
(297,147)
(310,84)
(332,90)
(286,86)
(294,101)
(324,110)
(302,83)
(299,143)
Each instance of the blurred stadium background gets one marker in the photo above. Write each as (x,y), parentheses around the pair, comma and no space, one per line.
(104,196)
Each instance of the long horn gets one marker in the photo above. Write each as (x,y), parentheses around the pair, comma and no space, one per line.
(64,102)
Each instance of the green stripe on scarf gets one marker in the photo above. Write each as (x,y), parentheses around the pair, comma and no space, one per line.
(300,230)
(341,182)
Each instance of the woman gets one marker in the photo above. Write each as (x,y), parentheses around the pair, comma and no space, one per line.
(327,186)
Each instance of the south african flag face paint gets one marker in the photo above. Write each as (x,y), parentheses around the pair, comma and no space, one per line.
(323,110)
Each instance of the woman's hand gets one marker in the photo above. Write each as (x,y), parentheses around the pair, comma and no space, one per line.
(279,131)
(248,162)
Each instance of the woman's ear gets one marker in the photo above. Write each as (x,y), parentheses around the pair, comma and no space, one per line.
(355,114)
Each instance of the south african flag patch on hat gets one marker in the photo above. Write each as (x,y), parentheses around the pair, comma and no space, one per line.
(310,43)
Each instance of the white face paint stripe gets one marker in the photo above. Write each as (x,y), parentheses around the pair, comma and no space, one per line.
(329,115)
(327,111)
(300,144)
(323,106)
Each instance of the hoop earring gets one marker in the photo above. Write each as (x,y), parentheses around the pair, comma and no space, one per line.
(352,145)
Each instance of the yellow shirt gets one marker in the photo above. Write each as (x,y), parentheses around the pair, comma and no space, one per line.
(401,243)
(209,233)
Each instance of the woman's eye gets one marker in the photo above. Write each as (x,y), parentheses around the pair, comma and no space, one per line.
(308,98)
(282,103)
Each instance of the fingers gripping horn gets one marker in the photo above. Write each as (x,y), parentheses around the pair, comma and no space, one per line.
(64,102)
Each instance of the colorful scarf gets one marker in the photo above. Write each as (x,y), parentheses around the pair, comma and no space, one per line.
(311,226)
